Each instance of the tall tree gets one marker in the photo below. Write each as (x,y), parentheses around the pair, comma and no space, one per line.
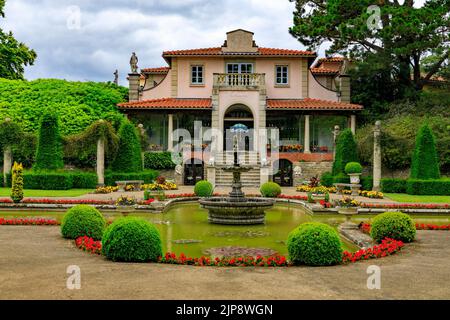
(424,163)
(346,151)
(397,29)
(49,153)
(14,55)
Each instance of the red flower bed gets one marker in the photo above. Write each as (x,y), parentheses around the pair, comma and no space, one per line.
(406,205)
(386,248)
(88,244)
(273,261)
(365,227)
(294,197)
(28,222)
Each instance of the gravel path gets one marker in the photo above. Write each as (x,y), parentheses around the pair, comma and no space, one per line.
(33,262)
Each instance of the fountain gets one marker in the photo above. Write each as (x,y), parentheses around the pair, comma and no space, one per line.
(236,209)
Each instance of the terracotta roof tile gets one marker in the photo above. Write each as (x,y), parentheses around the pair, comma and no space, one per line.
(217,51)
(310,104)
(324,71)
(162,70)
(168,103)
(325,60)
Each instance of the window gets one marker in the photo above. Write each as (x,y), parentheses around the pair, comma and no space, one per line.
(239,68)
(197,74)
(282,75)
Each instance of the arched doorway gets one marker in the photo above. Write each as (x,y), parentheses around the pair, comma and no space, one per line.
(193,171)
(284,174)
(238,114)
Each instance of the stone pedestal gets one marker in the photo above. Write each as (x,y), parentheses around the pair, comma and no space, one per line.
(7,163)
(211,175)
(101,162)
(307,138)
(377,157)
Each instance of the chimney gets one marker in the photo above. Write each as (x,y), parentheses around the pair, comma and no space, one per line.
(134,82)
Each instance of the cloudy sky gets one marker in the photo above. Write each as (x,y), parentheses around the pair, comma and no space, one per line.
(109,30)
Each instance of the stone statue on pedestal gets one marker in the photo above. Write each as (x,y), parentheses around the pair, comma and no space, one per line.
(116,77)
(133,63)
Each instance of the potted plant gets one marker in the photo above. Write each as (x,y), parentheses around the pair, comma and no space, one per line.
(319,192)
(354,170)
(125,204)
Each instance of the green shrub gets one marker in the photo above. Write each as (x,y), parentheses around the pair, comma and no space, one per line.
(84,180)
(128,158)
(424,163)
(366,183)
(440,187)
(341,178)
(83,220)
(17,183)
(346,151)
(314,244)
(49,155)
(158,160)
(394,225)
(353,167)
(148,176)
(203,188)
(47,180)
(270,190)
(393,185)
(326,179)
(132,240)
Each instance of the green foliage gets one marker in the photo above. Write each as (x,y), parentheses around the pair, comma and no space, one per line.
(425,159)
(326,179)
(315,244)
(83,220)
(393,185)
(346,151)
(394,225)
(17,182)
(10,134)
(132,240)
(158,160)
(353,167)
(49,154)
(83,180)
(341,178)
(440,187)
(366,183)
(79,104)
(148,176)
(48,180)
(128,158)
(203,188)
(270,190)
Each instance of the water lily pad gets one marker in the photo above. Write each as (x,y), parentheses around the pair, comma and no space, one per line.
(233,251)
(242,234)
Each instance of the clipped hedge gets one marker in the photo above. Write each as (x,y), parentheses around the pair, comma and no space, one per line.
(326,179)
(394,225)
(132,240)
(439,187)
(366,183)
(129,157)
(270,190)
(393,185)
(158,160)
(203,188)
(315,244)
(49,153)
(57,180)
(83,220)
(425,160)
(346,151)
(148,176)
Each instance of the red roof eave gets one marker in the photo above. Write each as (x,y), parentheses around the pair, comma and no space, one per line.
(167,103)
(310,104)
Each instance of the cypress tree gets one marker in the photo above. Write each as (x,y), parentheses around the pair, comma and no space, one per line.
(346,151)
(49,154)
(424,163)
(128,157)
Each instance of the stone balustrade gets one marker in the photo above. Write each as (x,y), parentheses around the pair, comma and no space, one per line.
(233,80)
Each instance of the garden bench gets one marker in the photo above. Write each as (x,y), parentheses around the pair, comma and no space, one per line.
(341,186)
(135,183)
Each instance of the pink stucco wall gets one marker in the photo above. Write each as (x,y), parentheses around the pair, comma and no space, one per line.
(317,91)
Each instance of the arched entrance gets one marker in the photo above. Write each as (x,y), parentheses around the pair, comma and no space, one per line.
(284,174)
(238,114)
(193,171)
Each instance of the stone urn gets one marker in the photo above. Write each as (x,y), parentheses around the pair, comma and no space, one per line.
(348,212)
(354,178)
(125,210)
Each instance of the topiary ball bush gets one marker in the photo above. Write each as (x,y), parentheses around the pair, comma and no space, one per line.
(394,225)
(83,220)
(353,167)
(203,188)
(314,244)
(132,240)
(270,190)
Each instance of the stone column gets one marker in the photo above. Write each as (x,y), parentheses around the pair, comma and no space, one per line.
(335,135)
(142,132)
(101,162)
(133,82)
(344,87)
(170,133)
(7,163)
(307,148)
(377,156)
(353,123)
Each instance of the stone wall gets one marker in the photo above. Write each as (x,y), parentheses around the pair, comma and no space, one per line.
(310,169)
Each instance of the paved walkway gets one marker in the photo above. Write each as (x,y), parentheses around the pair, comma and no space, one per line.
(34,260)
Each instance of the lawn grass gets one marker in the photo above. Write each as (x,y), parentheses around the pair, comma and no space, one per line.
(6,192)
(403,197)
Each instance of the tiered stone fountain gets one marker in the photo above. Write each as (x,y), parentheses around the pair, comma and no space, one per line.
(236,209)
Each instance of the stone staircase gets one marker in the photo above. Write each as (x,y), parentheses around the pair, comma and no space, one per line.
(249,179)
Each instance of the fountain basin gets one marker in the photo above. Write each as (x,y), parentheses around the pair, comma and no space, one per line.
(223,210)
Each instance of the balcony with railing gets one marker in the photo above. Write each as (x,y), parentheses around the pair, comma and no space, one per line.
(239,80)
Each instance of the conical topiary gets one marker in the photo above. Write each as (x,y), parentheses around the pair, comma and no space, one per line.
(424,163)
(346,151)
(49,155)
(128,157)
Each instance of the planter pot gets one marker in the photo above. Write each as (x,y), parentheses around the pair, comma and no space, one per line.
(125,210)
(318,196)
(348,210)
(354,178)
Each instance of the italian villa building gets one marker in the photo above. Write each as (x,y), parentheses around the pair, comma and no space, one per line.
(239,83)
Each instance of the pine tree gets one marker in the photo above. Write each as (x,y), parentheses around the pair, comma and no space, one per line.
(346,151)
(128,157)
(424,163)
(49,154)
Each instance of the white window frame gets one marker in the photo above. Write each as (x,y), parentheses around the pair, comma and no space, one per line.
(195,79)
(284,75)
(240,64)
